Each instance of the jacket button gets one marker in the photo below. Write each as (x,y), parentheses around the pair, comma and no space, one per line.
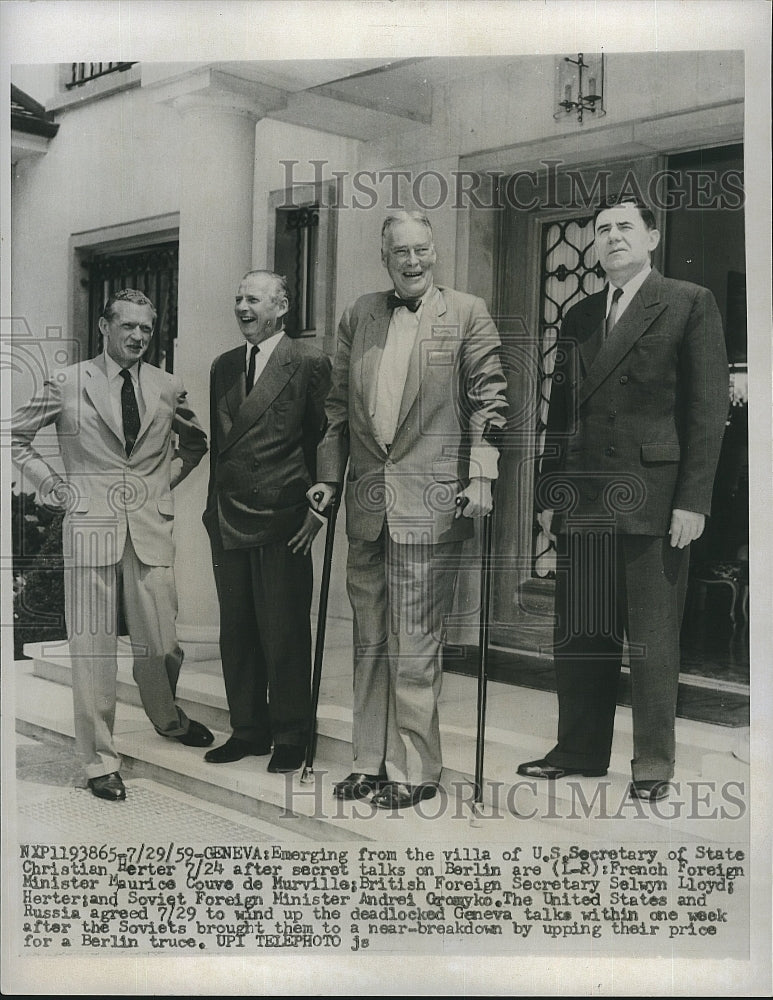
(623,379)
(610,451)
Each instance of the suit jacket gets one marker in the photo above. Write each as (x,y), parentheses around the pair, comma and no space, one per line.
(454,398)
(636,421)
(263,456)
(110,494)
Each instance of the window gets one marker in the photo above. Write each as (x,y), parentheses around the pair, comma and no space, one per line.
(152,270)
(296,257)
(81,73)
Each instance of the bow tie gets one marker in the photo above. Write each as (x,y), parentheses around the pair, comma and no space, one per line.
(394,302)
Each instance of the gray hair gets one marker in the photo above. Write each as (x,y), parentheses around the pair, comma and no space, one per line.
(280,283)
(393,220)
(127,295)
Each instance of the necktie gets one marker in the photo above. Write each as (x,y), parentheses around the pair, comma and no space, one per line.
(251,367)
(394,302)
(612,317)
(130,411)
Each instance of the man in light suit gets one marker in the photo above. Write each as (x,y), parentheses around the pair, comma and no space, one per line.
(418,396)
(117,420)
(637,411)
(267,416)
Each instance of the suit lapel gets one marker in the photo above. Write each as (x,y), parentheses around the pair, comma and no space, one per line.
(280,368)
(644,309)
(373,340)
(231,381)
(150,386)
(591,334)
(97,389)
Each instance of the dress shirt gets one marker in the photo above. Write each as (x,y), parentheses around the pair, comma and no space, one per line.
(630,288)
(265,350)
(390,386)
(393,370)
(115,384)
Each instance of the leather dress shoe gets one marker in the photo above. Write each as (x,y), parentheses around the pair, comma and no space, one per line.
(286,758)
(358,785)
(108,786)
(650,791)
(396,795)
(542,769)
(197,736)
(235,749)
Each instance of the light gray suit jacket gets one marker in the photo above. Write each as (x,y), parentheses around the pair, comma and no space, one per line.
(110,495)
(454,400)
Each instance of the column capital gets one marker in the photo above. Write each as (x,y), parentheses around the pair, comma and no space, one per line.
(212,89)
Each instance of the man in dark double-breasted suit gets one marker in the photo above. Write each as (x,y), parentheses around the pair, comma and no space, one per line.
(637,410)
(267,415)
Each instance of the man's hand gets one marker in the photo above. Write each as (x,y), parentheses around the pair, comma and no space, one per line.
(305,535)
(478,499)
(545,518)
(55,494)
(328,491)
(686,527)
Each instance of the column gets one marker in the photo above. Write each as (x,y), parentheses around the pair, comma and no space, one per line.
(216,220)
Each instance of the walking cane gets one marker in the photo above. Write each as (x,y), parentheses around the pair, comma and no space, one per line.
(483,634)
(331,511)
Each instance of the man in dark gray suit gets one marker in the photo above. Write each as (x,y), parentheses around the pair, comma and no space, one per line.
(637,412)
(267,416)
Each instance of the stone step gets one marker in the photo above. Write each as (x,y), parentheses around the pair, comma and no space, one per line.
(246,786)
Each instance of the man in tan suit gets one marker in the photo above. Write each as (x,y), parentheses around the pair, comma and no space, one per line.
(116,420)
(417,400)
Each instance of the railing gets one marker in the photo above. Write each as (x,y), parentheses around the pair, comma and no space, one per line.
(83,72)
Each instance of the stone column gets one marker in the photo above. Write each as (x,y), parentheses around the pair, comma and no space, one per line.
(216,217)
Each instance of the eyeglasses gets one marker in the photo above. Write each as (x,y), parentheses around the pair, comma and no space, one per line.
(403,253)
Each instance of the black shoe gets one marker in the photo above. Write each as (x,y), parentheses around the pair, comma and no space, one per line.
(650,791)
(542,769)
(358,786)
(108,786)
(396,795)
(235,749)
(286,758)
(197,736)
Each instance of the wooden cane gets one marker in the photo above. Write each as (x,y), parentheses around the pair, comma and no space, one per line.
(331,512)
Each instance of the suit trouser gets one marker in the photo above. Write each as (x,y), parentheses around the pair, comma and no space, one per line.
(265,640)
(400,595)
(91,609)
(608,584)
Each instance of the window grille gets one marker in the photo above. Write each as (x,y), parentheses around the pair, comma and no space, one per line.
(81,73)
(570,271)
(152,270)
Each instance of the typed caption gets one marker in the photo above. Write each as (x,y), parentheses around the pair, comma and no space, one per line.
(247,899)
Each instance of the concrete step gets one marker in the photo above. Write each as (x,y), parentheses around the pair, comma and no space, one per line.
(519,727)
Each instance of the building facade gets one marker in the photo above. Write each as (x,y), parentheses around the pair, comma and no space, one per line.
(180,177)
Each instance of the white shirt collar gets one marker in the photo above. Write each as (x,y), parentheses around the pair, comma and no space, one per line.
(631,287)
(422,299)
(266,347)
(113,369)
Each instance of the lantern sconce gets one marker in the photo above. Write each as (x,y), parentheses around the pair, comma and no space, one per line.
(580,86)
